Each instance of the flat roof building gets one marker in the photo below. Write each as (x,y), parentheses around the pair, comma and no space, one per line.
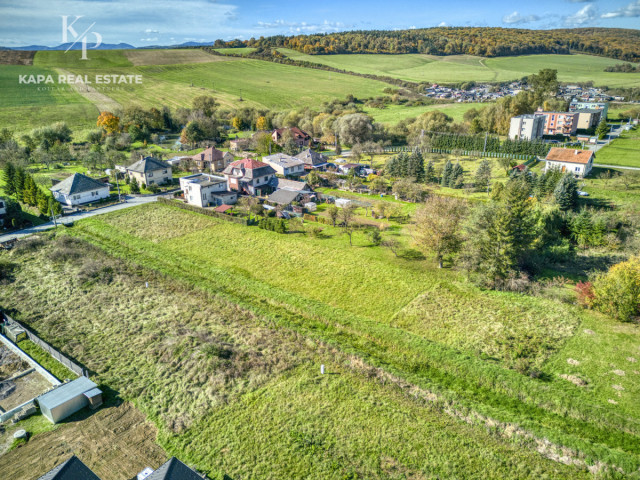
(68,398)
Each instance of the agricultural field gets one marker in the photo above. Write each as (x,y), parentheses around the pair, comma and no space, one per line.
(433,332)
(393,114)
(465,68)
(624,151)
(23,106)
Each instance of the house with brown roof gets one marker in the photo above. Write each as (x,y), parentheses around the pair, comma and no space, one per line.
(577,162)
(301,137)
(212,160)
(249,176)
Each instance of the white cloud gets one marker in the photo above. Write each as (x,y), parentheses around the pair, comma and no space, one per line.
(149,30)
(516,18)
(154,39)
(443,24)
(586,15)
(631,10)
(304,27)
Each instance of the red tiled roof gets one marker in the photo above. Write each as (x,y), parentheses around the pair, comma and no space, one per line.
(569,155)
(223,208)
(295,131)
(248,163)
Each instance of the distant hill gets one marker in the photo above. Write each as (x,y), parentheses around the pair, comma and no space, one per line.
(623,44)
(77,46)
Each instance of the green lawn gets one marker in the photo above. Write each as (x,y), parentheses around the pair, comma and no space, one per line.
(236,51)
(623,151)
(392,114)
(463,68)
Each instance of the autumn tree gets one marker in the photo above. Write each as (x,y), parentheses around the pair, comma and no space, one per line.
(262,123)
(617,292)
(205,104)
(333,213)
(109,122)
(347,220)
(437,227)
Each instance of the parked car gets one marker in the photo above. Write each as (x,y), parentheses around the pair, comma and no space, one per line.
(582,194)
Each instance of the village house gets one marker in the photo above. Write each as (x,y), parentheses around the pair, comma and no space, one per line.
(78,189)
(559,123)
(249,176)
(526,127)
(150,171)
(212,160)
(285,165)
(301,138)
(312,160)
(239,144)
(289,191)
(204,190)
(577,162)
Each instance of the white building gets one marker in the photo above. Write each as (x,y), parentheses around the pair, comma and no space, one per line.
(526,127)
(78,189)
(285,165)
(568,160)
(149,171)
(204,190)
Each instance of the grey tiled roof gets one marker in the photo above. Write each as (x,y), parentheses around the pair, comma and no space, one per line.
(148,164)
(283,197)
(309,157)
(174,469)
(77,183)
(72,469)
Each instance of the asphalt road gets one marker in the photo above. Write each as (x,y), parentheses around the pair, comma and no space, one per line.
(131,201)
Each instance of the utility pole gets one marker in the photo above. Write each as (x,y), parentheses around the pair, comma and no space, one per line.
(53,216)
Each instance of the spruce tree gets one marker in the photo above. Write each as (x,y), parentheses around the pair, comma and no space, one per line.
(429,172)
(42,201)
(9,177)
(456,179)
(416,166)
(483,176)
(19,183)
(133,185)
(446,174)
(54,206)
(566,192)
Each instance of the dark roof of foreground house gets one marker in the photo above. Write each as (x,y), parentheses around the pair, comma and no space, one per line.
(287,184)
(309,157)
(283,197)
(174,469)
(77,183)
(72,469)
(148,164)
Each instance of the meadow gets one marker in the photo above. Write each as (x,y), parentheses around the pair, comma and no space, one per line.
(393,114)
(238,393)
(465,68)
(624,151)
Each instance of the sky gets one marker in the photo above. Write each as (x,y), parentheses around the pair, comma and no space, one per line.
(170,22)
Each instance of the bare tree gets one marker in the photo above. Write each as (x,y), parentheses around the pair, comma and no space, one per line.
(347,219)
(437,226)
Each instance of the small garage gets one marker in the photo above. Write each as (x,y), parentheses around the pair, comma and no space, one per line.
(67,399)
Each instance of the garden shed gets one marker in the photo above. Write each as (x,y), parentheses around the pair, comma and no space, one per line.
(67,399)
(343,202)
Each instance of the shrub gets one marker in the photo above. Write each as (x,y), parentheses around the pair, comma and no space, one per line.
(617,292)
(584,292)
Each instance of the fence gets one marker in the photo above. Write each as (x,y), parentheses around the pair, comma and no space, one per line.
(204,211)
(70,364)
(466,153)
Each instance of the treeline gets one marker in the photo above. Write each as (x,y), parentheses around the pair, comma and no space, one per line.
(489,42)
(21,185)
(623,68)
(479,143)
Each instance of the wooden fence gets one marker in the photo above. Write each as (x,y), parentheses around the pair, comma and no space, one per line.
(67,362)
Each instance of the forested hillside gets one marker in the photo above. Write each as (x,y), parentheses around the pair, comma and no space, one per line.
(488,42)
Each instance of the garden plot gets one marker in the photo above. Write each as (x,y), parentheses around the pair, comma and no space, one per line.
(16,389)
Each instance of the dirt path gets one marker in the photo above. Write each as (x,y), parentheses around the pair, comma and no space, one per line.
(100,100)
(115,443)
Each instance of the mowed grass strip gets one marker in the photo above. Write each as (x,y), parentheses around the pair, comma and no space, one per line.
(574,418)
(172,56)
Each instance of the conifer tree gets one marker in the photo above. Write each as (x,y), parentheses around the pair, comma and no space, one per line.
(483,176)
(456,178)
(429,172)
(9,177)
(446,174)
(566,192)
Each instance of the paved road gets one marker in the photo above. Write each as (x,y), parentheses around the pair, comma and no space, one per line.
(615,166)
(614,133)
(131,202)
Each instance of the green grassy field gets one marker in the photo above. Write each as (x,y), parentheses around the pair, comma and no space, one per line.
(25,105)
(240,394)
(236,51)
(464,68)
(623,151)
(392,114)
(320,305)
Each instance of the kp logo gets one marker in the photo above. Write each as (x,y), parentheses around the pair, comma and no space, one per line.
(68,28)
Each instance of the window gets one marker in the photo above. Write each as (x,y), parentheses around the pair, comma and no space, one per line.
(164,171)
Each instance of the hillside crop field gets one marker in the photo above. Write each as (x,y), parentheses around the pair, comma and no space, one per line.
(23,105)
(413,351)
(465,68)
